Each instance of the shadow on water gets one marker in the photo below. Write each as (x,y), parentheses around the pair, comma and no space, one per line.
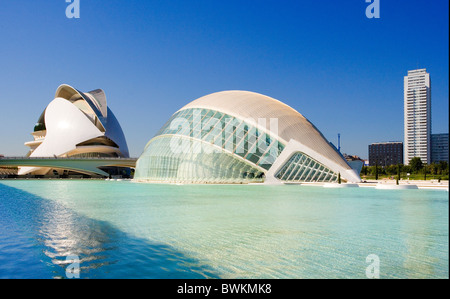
(38,235)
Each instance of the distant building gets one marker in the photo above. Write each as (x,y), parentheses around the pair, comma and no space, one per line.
(385,153)
(355,162)
(349,158)
(439,147)
(417,116)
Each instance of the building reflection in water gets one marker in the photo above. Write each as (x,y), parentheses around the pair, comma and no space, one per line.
(104,251)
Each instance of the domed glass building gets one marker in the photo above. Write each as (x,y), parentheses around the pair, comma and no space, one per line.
(240,137)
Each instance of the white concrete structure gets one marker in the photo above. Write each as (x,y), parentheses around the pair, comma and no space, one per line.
(417,116)
(395,187)
(336,185)
(240,137)
(76,124)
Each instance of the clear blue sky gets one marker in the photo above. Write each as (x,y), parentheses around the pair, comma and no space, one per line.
(341,70)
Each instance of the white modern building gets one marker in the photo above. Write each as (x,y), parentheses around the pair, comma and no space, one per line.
(417,116)
(240,137)
(75,125)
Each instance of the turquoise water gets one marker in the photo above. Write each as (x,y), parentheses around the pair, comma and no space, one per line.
(121,229)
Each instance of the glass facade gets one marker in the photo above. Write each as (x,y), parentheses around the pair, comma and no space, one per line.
(209,140)
(194,162)
(208,146)
(226,132)
(302,168)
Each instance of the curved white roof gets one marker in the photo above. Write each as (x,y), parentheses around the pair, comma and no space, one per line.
(291,124)
(97,97)
(71,119)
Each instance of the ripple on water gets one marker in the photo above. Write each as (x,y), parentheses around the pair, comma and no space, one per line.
(127,230)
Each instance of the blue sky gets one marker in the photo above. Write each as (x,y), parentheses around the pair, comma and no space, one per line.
(326,59)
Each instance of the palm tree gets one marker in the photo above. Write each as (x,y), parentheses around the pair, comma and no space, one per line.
(376,170)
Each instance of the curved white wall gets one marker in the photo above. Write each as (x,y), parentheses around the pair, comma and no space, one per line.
(67,125)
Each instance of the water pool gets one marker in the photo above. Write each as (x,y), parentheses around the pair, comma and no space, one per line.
(122,229)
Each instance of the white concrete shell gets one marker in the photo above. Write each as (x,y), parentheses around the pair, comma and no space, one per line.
(297,135)
(253,106)
(76,124)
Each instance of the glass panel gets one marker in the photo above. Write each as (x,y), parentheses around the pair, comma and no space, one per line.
(242,147)
(186,130)
(197,120)
(240,135)
(318,173)
(311,175)
(252,137)
(282,172)
(208,124)
(216,127)
(280,148)
(314,166)
(176,125)
(308,163)
(305,174)
(226,132)
(231,125)
(161,165)
(166,126)
(264,141)
(324,175)
(219,138)
(294,169)
(252,158)
(302,168)
(270,156)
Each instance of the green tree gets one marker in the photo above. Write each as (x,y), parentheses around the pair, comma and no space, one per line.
(391,169)
(406,168)
(364,170)
(433,168)
(443,167)
(416,164)
(425,171)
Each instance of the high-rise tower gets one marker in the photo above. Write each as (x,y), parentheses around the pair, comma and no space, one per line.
(417,116)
